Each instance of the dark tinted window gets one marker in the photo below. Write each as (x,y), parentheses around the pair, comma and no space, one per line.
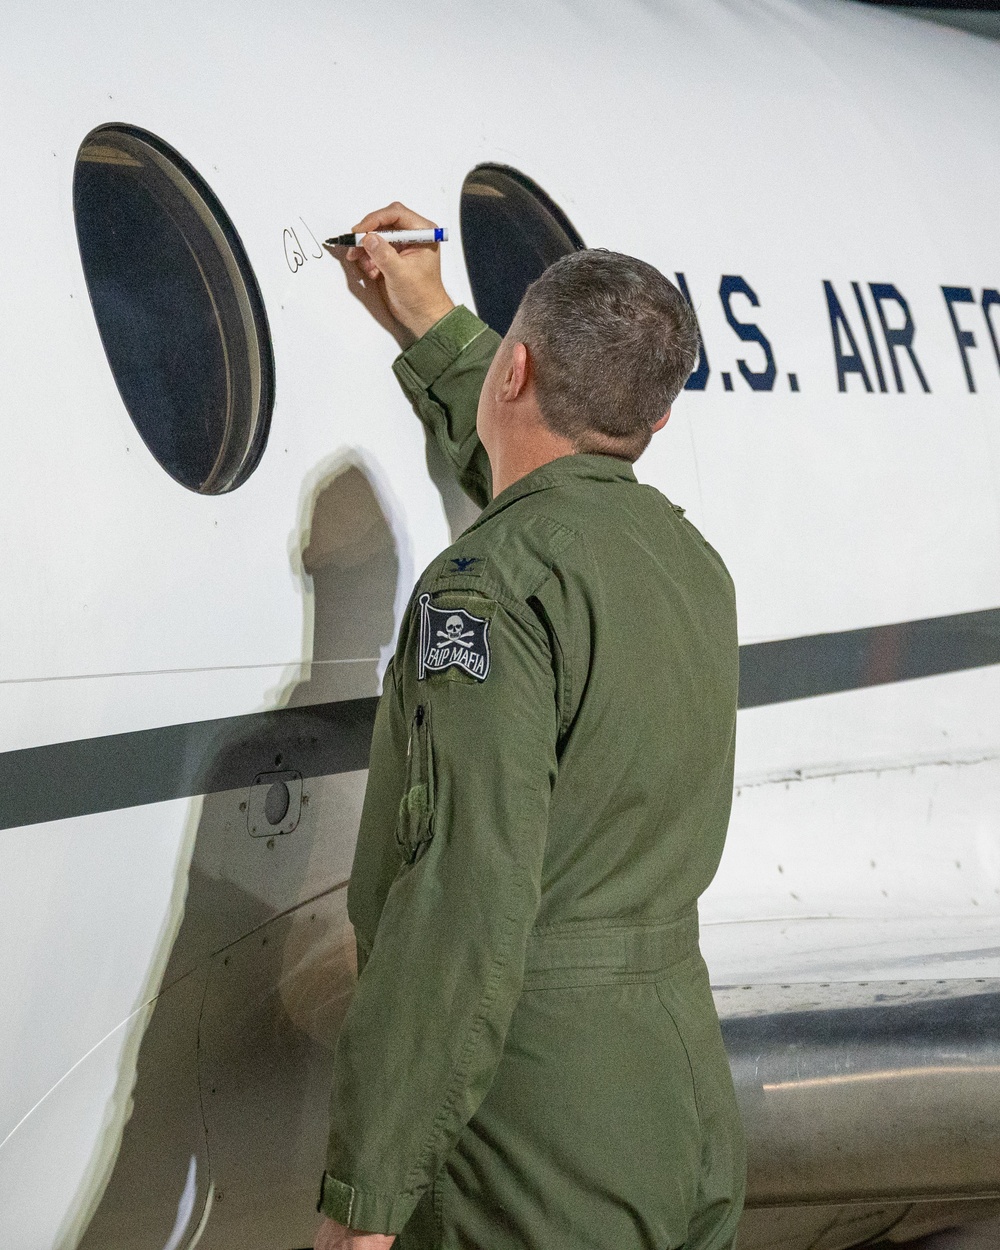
(511,232)
(177,306)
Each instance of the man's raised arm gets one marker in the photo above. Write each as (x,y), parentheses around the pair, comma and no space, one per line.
(447,349)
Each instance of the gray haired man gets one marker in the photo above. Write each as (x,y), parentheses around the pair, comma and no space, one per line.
(532,1060)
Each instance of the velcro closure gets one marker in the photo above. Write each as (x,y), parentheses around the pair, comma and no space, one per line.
(336,1199)
(575,955)
(424,361)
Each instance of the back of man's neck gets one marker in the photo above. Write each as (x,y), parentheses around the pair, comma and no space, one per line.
(520,456)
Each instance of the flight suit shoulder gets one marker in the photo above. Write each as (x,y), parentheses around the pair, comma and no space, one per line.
(507,577)
(507,560)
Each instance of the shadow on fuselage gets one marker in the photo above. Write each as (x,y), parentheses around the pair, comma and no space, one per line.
(234,1065)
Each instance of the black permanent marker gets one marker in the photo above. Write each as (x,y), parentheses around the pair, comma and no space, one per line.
(435,234)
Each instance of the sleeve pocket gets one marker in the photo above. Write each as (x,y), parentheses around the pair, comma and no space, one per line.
(414,826)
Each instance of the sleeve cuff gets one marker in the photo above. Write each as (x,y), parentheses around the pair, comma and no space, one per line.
(336,1200)
(364,1209)
(424,361)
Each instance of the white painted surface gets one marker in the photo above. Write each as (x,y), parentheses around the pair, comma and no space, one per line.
(845,167)
(89,911)
(43,711)
(46,1161)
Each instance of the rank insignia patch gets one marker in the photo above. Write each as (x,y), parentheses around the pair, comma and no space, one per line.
(452,638)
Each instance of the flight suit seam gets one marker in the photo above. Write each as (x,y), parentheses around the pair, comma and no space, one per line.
(595,980)
(539,486)
(602,926)
(687,1054)
(564,671)
(456,458)
(491,589)
(564,683)
(563,537)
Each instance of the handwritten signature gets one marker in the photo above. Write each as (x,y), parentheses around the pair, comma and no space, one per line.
(295,254)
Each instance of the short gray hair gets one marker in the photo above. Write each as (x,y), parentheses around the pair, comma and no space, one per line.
(613,342)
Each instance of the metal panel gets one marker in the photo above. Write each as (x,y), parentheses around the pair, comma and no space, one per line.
(272,1012)
(875,1092)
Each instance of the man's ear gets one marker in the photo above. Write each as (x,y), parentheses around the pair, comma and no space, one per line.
(518,372)
(662,422)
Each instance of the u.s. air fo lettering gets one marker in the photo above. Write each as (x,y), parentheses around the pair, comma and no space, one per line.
(871,328)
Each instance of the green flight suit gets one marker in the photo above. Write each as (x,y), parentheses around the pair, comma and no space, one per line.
(532,1059)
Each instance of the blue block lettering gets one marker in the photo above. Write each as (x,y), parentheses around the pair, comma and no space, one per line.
(757,380)
(840,328)
(870,333)
(897,336)
(991,297)
(699,379)
(964,338)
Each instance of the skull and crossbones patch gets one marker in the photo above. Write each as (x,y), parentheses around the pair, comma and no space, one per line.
(452,638)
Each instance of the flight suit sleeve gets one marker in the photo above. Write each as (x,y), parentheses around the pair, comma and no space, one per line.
(424,1033)
(442,374)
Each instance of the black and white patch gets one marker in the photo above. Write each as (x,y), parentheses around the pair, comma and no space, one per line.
(452,638)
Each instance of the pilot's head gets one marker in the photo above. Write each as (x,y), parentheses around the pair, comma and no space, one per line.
(606,343)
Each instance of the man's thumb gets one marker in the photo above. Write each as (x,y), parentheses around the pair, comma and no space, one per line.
(382,253)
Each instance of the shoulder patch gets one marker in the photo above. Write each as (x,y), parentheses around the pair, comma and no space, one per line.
(452,638)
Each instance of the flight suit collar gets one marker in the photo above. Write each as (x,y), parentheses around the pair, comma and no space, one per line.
(558,473)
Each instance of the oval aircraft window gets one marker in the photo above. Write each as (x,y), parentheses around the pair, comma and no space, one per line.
(511,233)
(177,306)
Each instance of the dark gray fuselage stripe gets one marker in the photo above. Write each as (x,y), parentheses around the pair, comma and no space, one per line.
(799,668)
(178,761)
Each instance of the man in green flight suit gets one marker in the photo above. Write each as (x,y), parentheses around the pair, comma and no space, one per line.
(532,1059)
